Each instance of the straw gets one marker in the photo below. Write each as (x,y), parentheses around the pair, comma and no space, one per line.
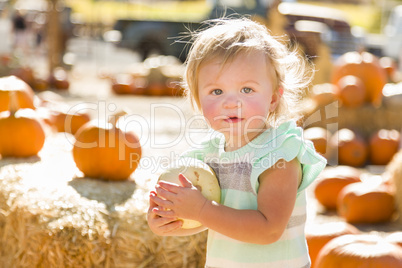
(52,217)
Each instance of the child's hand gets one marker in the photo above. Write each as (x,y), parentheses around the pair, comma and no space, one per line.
(160,225)
(184,201)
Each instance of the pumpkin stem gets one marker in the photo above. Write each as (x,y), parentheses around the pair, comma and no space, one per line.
(115,117)
(13,104)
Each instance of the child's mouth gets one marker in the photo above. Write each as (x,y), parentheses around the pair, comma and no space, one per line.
(233,119)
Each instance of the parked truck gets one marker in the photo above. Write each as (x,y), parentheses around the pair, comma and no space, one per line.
(166,36)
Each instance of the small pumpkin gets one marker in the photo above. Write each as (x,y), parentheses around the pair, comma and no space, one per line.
(67,121)
(383,145)
(40,84)
(156,88)
(23,93)
(366,66)
(25,73)
(59,79)
(122,83)
(359,250)
(103,150)
(139,86)
(173,88)
(21,133)
(320,138)
(363,202)
(352,148)
(351,91)
(331,181)
(323,94)
(390,66)
(319,234)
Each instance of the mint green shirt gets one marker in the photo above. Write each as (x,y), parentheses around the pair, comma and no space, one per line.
(238,173)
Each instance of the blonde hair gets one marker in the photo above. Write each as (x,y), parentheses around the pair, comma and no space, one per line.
(227,38)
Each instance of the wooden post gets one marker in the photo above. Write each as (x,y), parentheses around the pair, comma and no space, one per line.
(54,34)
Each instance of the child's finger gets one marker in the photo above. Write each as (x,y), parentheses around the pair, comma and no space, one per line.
(152,203)
(162,212)
(164,220)
(165,193)
(171,187)
(171,226)
(157,201)
(184,181)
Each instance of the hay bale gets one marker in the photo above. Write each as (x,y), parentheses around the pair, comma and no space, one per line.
(394,171)
(51,217)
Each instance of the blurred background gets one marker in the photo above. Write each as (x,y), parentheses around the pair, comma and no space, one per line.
(62,33)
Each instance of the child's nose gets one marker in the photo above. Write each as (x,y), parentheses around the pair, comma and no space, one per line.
(231,102)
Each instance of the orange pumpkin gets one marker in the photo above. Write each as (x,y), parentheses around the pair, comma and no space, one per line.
(331,181)
(366,66)
(319,234)
(21,133)
(40,84)
(24,93)
(139,86)
(351,91)
(59,79)
(122,84)
(156,88)
(363,202)
(67,121)
(103,150)
(323,94)
(352,148)
(173,88)
(320,138)
(390,66)
(383,146)
(25,73)
(359,250)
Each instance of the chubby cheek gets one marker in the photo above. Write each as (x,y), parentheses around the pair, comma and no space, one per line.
(257,109)
(210,111)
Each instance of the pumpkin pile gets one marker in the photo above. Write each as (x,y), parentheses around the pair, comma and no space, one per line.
(356,197)
(11,65)
(348,147)
(101,149)
(21,132)
(359,78)
(363,92)
(156,76)
(58,80)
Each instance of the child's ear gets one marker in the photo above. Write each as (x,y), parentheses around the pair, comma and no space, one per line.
(276,97)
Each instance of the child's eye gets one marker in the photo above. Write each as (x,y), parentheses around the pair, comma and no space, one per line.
(246,90)
(217,92)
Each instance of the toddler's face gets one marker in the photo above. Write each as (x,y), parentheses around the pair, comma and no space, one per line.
(237,99)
